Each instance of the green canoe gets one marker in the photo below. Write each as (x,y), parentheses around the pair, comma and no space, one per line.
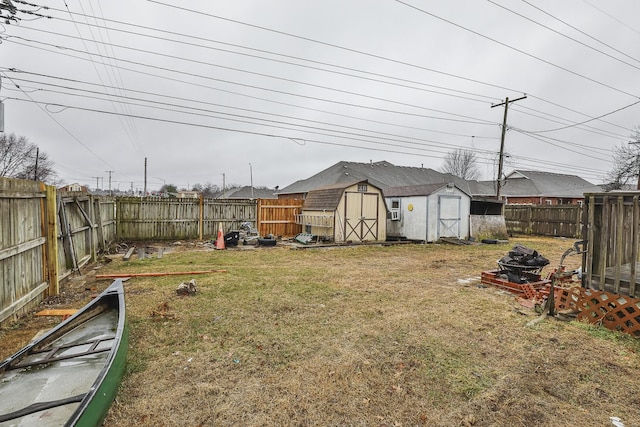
(70,375)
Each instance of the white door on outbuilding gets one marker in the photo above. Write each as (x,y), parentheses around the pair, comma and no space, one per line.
(449,216)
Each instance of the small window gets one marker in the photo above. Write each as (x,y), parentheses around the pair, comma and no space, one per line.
(548,201)
(362,188)
(395,210)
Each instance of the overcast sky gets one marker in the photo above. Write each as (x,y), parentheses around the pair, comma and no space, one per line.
(278,90)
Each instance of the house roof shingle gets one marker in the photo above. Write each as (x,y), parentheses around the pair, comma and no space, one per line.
(521,183)
(381,174)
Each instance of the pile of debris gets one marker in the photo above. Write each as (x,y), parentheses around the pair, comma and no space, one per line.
(521,265)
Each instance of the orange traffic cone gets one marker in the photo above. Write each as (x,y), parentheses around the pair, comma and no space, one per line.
(220,241)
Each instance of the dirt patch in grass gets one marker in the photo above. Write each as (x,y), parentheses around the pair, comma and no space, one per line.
(360,336)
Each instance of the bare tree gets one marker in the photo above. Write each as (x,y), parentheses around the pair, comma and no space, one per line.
(626,160)
(461,163)
(20,158)
(207,189)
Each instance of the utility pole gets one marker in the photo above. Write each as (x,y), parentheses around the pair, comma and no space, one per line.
(35,170)
(110,172)
(504,130)
(145,178)
(223,187)
(97,178)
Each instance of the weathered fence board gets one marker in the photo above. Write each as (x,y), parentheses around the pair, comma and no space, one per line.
(164,219)
(23,249)
(611,228)
(543,220)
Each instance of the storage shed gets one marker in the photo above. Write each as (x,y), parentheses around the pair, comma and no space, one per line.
(428,212)
(344,212)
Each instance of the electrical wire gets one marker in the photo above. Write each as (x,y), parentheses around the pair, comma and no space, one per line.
(205,77)
(474,120)
(60,125)
(244,47)
(516,50)
(564,35)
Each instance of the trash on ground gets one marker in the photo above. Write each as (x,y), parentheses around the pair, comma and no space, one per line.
(162,312)
(187,288)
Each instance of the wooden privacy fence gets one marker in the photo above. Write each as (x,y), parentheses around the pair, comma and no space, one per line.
(167,219)
(28,239)
(556,220)
(170,219)
(45,237)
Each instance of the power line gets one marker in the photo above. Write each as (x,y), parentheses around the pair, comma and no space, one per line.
(366,72)
(156,104)
(60,124)
(348,104)
(587,121)
(580,31)
(612,17)
(564,35)
(516,50)
(240,108)
(244,47)
(547,163)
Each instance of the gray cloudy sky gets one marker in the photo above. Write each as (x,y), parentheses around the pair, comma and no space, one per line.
(290,87)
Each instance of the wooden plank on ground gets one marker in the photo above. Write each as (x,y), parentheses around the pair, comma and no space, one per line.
(63,312)
(129,253)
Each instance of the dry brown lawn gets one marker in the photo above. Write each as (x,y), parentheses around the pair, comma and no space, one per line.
(359,336)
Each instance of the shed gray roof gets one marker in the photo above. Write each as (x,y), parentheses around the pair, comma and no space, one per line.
(328,197)
(415,190)
(521,183)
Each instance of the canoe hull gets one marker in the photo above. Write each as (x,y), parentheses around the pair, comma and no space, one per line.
(70,375)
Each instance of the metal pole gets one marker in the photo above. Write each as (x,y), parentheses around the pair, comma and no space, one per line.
(251,176)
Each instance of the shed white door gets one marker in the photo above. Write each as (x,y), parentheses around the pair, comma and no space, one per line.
(361,216)
(449,216)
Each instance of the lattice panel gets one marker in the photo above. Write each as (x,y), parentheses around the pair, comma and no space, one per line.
(615,312)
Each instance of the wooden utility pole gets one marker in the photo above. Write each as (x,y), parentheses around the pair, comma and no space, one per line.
(504,131)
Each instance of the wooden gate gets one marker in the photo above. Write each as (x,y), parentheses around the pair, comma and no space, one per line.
(278,217)
(361,216)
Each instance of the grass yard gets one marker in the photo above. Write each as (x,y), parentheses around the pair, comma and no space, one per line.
(357,336)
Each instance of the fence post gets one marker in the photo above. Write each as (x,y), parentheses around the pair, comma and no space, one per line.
(52,239)
(259,217)
(97,214)
(201,220)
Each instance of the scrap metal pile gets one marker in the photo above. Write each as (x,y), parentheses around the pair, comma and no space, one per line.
(521,265)
(519,272)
